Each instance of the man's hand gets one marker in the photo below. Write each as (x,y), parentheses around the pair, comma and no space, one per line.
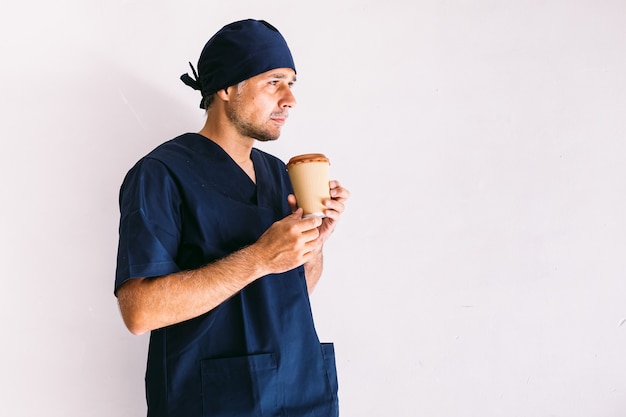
(289,242)
(334,208)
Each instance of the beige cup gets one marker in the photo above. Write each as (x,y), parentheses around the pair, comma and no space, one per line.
(309,174)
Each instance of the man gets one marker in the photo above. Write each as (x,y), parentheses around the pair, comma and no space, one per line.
(214,258)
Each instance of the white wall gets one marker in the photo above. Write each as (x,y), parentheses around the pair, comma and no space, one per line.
(480,269)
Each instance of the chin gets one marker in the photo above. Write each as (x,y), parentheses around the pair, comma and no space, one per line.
(267,138)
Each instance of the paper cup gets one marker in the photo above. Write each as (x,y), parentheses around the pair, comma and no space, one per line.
(309,174)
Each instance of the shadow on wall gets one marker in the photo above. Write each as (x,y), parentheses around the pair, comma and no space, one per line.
(138,115)
(73,133)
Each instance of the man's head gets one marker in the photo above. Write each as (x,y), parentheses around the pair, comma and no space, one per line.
(259,106)
(237,52)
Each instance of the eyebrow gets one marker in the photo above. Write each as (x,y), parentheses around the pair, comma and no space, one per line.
(282,76)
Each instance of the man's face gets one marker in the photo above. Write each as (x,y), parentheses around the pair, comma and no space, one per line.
(259,106)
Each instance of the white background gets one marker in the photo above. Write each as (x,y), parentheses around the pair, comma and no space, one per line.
(480,268)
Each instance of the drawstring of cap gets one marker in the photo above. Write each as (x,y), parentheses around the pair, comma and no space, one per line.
(192,82)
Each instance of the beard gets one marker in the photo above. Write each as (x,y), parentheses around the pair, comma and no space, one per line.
(245,126)
(251,130)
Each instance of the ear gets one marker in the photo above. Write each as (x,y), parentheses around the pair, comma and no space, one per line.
(224,94)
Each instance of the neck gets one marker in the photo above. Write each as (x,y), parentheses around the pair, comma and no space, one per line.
(236,146)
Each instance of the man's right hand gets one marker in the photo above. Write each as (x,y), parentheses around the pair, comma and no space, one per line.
(288,243)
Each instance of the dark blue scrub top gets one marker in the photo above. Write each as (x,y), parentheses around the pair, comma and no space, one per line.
(186,204)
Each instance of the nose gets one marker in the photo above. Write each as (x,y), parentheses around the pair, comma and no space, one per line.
(287,100)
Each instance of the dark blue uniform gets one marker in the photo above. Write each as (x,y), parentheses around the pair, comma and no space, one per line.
(184,205)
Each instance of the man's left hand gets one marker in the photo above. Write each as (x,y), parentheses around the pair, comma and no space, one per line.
(335,206)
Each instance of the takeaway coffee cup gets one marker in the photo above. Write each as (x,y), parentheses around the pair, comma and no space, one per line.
(309,174)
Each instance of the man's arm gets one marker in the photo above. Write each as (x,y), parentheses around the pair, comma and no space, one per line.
(313,269)
(151,303)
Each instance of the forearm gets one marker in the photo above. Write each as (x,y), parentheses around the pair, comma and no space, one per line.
(151,303)
(313,269)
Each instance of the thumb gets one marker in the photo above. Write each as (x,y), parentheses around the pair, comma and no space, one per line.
(297,215)
(291,199)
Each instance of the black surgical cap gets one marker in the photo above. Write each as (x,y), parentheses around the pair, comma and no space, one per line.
(238,51)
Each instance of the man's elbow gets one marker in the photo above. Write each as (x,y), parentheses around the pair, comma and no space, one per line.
(130,311)
(132,320)
(135,326)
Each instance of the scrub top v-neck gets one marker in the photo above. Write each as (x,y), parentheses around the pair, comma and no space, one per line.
(184,205)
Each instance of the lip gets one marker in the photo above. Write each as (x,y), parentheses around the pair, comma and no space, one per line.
(279,120)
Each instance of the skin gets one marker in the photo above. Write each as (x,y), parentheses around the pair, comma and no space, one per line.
(254,110)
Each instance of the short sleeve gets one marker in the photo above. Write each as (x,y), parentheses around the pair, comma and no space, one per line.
(150,223)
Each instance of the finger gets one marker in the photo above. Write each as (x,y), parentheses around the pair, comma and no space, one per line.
(296,214)
(334,184)
(291,200)
(308,252)
(308,223)
(334,205)
(310,249)
(310,235)
(339,192)
(332,215)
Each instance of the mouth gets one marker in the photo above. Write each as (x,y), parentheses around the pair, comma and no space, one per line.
(279,119)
